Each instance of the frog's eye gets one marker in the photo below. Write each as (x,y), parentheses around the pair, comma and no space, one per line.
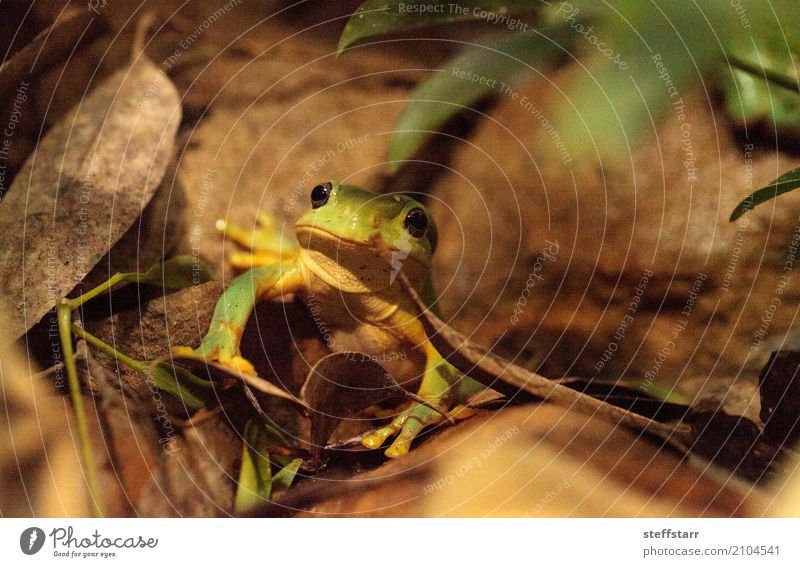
(320,194)
(416,222)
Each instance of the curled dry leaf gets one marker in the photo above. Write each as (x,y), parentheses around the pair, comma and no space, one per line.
(82,188)
(516,382)
(344,383)
(225,376)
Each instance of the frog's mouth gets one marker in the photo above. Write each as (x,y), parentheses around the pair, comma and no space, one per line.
(312,230)
(375,243)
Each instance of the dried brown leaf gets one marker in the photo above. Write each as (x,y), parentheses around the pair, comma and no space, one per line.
(342,384)
(83,188)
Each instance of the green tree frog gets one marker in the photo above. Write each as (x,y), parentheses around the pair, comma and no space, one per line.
(351,245)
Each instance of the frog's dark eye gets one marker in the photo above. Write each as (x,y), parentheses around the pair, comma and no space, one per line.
(416,222)
(320,194)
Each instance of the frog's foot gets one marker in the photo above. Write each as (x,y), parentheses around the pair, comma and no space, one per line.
(408,425)
(247,260)
(265,244)
(237,364)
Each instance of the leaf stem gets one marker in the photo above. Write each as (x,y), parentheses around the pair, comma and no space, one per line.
(64,314)
(91,294)
(108,349)
(764,73)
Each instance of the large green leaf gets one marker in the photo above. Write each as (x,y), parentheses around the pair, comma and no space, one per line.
(182,384)
(285,477)
(667,47)
(255,476)
(787,182)
(640,59)
(650,56)
(380,17)
(481,71)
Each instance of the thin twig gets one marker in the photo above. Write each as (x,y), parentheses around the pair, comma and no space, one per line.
(64,313)
(201,416)
(763,73)
(52,370)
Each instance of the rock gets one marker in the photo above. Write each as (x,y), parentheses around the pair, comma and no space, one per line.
(650,279)
(530,461)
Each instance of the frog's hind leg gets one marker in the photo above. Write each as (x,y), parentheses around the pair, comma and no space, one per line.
(264,243)
(442,385)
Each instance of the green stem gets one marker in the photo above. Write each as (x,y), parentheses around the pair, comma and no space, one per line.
(108,349)
(64,313)
(764,73)
(102,288)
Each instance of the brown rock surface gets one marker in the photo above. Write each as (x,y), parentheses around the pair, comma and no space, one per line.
(510,193)
(532,461)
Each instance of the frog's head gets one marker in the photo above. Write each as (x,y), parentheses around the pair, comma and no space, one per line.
(358,241)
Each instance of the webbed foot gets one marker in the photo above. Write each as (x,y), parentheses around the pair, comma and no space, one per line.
(409,424)
(238,364)
(264,242)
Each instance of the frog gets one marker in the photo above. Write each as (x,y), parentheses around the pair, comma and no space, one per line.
(349,247)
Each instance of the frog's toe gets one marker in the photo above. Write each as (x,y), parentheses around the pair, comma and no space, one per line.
(406,426)
(378,437)
(250,260)
(413,423)
(267,221)
(237,364)
(183,351)
(242,236)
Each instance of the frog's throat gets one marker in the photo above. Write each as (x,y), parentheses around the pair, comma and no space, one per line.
(375,244)
(330,280)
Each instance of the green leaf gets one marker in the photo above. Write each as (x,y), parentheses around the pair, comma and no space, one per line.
(659,391)
(178,272)
(643,63)
(273,434)
(255,476)
(787,182)
(380,17)
(480,71)
(181,383)
(667,47)
(285,477)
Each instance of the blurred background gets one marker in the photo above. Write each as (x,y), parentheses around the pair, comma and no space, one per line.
(582,193)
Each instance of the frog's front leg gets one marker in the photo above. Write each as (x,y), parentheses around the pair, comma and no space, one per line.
(442,385)
(265,243)
(234,307)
